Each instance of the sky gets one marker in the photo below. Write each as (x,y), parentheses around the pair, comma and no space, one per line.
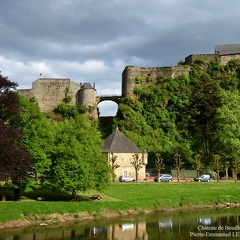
(93,40)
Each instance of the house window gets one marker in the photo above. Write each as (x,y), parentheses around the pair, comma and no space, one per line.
(125,173)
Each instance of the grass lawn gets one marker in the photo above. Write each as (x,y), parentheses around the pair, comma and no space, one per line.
(120,197)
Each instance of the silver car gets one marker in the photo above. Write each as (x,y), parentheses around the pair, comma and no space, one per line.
(126,179)
(165,178)
(205,178)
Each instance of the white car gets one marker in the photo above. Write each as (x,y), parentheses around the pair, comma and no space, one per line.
(126,179)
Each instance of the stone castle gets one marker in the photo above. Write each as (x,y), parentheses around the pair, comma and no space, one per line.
(49,92)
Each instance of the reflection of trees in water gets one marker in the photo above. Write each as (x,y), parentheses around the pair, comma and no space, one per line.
(174,226)
(230,221)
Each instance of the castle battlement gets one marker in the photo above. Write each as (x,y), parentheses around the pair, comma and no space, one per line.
(49,92)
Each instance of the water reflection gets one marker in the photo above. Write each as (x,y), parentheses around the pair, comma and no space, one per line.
(166,224)
(205,221)
(214,224)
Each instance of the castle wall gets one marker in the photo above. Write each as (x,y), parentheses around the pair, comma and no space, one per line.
(74,89)
(193,57)
(226,58)
(28,93)
(51,92)
(148,75)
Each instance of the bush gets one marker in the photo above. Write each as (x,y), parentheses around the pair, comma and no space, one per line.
(138,79)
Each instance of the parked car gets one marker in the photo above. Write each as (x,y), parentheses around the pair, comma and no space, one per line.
(203,178)
(156,179)
(126,179)
(163,178)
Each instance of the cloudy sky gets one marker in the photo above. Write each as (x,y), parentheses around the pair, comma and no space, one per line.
(93,40)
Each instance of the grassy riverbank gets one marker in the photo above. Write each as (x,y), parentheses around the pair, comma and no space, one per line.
(117,199)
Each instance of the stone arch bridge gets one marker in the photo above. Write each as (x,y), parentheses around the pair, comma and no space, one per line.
(114,98)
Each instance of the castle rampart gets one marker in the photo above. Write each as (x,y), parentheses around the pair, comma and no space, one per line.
(49,92)
(226,58)
(193,57)
(133,76)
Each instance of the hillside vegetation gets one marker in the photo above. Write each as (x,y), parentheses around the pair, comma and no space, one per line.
(191,114)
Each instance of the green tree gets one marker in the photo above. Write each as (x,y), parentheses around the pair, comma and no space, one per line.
(9,103)
(235,167)
(226,167)
(66,154)
(198,164)
(137,163)
(217,165)
(227,134)
(229,78)
(77,163)
(202,111)
(113,164)
(159,164)
(68,96)
(66,111)
(29,112)
(38,137)
(178,164)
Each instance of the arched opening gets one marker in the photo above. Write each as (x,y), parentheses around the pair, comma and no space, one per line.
(107,108)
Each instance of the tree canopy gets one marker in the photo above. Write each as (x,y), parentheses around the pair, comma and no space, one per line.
(66,150)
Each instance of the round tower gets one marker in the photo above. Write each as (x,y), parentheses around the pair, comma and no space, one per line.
(87,97)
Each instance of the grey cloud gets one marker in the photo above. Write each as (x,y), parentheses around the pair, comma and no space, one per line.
(67,38)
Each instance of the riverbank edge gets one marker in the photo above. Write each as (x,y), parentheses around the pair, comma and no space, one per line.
(49,219)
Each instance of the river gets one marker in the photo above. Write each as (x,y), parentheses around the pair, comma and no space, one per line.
(208,224)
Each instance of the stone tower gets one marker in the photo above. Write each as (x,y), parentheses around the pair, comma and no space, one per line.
(87,96)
